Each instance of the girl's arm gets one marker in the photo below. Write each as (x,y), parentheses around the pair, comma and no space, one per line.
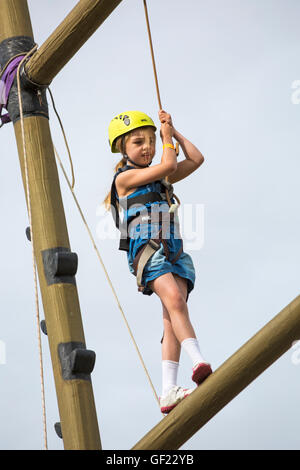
(168,165)
(193,158)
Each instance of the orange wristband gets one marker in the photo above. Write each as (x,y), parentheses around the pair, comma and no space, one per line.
(169,145)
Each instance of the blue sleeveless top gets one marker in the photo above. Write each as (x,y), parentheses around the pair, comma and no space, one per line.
(140,233)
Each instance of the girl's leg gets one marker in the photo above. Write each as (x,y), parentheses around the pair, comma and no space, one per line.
(170,351)
(170,344)
(172,290)
(172,293)
(170,355)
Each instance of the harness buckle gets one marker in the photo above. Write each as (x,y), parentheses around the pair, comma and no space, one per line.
(173,208)
(153,244)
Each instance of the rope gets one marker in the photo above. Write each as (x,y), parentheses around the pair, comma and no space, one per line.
(32,245)
(154,65)
(65,139)
(101,262)
(152,54)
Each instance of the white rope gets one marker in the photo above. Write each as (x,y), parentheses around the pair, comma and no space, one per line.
(32,245)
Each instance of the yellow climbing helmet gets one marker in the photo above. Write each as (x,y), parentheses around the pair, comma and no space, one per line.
(126,122)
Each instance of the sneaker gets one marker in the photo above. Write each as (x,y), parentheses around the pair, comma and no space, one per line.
(200,372)
(174,396)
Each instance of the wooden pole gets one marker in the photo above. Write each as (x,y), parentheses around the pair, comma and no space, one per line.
(59,293)
(67,39)
(12,24)
(273,340)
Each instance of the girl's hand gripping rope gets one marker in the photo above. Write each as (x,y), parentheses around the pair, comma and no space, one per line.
(166,133)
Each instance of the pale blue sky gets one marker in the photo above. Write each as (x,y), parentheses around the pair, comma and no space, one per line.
(226,69)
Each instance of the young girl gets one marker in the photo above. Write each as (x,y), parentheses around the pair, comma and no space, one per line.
(169,272)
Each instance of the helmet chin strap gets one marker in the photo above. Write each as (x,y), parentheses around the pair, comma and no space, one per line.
(137,164)
(134,163)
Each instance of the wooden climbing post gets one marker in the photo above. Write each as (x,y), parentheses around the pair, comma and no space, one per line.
(67,38)
(72,362)
(273,340)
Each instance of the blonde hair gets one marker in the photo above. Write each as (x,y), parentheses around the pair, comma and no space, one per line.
(120,164)
(121,146)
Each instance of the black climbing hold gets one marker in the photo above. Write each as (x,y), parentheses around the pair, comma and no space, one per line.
(60,265)
(82,361)
(57,427)
(77,362)
(28,233)
(44,327)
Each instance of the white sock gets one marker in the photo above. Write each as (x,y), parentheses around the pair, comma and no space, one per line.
(191,346)
(169,375)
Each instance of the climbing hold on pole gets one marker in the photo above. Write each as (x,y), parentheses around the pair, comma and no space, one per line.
(57,427)
(60,265)
(28,234)
(76,361)
(43,327)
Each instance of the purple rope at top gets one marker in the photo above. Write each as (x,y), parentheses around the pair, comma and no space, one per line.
(6,83)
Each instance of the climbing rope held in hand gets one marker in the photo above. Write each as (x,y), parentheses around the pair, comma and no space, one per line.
(152,54)
(154,64)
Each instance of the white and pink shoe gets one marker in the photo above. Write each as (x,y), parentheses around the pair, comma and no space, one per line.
(200,372)
(174,396)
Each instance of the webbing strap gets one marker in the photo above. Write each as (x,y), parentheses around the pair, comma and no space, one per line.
(6,81)
(146,254)
(113,198)
(140,199)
